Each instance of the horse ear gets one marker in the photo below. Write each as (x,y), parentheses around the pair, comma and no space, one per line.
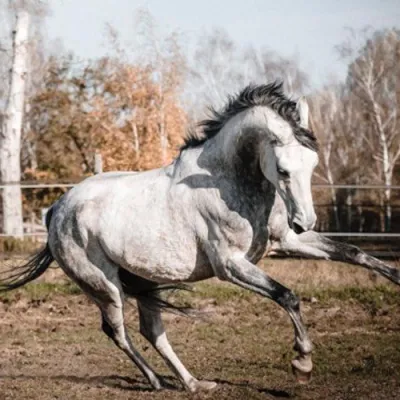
(302,108)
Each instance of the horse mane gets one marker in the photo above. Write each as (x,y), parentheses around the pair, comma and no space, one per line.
(270,95)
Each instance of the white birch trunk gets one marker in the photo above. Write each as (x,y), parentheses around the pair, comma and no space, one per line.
(163,137)
(385,159)
(326,153)
(136,144)
(10,133)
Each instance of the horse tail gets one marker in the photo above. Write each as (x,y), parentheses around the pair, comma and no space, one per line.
(23,274)
(150,294)
(16,277)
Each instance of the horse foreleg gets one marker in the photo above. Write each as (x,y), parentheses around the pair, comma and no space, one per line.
(313,245)
(245,274)
(151,327)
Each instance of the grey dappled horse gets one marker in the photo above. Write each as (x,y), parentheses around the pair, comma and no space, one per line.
(240,191)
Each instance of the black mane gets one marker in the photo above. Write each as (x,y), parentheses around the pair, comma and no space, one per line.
(270,95)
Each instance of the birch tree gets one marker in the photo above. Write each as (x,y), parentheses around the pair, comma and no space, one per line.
(11,124)
(220,67)
(374,77)
(336,119)
(162,54)
(34,82)
(324,114)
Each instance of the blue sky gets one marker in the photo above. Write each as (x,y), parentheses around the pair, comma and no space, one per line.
(308,29)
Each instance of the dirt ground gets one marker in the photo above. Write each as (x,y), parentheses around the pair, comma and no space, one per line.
(51,346)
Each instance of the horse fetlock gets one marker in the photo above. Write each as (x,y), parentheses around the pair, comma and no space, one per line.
(155,382)
(304,346)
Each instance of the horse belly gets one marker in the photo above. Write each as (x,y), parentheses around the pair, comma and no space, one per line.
(160,259)
(168,268)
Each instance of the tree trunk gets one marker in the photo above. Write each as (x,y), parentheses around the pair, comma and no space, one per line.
(162,132)
(388,207)
(385,159)
(136,144)
(387,175)
(326,153)
(28,145)
(10,134)
(163,141)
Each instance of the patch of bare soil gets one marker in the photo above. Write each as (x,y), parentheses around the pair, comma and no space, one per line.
(51,347)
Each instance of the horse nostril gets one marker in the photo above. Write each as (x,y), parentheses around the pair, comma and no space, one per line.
(297,228)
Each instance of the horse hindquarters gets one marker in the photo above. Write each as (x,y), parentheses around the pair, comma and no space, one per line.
(98,278)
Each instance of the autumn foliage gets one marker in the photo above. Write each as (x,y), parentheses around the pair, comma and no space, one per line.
(117,109)
(133,108)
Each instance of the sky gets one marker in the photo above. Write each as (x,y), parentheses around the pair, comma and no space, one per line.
(306,29)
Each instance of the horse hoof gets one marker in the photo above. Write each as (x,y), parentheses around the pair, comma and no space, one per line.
(302,377)
(157,386)
(198,386)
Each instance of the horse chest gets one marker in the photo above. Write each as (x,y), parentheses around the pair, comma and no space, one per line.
(248,234)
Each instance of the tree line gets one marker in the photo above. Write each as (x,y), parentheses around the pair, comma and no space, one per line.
(134,106)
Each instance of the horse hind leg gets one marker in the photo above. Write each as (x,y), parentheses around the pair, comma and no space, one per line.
(111,307)
(99,279)
(151,327)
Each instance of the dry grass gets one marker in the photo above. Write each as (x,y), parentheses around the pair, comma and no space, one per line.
(320,273)
(52,348)
(298,273)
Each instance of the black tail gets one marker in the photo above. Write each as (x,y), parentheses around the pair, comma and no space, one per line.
(150,293)
(19,276)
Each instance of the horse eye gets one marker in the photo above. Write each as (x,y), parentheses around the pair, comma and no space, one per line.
(283,173)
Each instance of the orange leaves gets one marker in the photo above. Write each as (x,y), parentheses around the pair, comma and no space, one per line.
(116,108)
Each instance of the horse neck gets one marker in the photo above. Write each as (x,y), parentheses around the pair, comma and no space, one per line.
(235,150)
(237,147)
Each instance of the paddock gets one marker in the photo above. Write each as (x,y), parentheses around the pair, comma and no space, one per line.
(240,340)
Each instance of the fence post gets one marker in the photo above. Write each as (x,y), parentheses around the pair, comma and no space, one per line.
(98,163)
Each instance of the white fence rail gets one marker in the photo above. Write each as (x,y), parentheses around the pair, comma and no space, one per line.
(36,229)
